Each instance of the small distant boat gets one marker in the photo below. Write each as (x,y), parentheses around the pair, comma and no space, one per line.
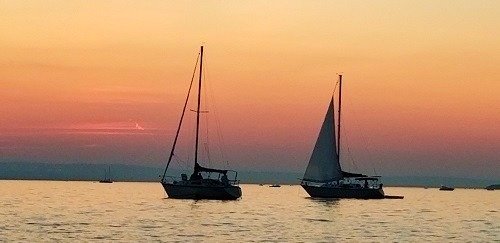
(261,184)
(107,176)
(493,187)
(275,185)
(446,188)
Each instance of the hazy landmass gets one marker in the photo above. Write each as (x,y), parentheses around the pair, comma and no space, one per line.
(93,172)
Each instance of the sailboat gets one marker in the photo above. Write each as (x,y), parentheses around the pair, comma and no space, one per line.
(324,177)
(196,186)
(446,188)
(107,176)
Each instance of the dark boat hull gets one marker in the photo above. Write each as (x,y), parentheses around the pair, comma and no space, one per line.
(336,192)
(179,191)
(446,189)
(493,187)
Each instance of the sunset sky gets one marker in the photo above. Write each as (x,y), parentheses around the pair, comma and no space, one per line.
(105,81)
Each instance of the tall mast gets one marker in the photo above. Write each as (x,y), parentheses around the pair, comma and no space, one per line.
(338,124)
(198,109)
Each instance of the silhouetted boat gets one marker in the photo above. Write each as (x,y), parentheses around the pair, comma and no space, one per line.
(107,176)
(197,187)
(324,177)
(493,187)
(275,185)
(446,188)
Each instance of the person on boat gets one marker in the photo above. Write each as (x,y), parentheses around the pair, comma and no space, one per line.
(224,179)
(366,183)
(196,176)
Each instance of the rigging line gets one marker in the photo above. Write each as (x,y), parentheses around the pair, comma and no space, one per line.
(188,130)
(192,133)
(206,117)
(350,155)
(336,85)
(176,160)
(182,117)
(181,162)
(347,141)
(334,113)
(213,105)
(364,140)
(207,151)
(219,134)
(219,137)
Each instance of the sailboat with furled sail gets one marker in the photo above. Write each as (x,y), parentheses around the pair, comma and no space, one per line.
(197,186)
(324,177)
(107,176)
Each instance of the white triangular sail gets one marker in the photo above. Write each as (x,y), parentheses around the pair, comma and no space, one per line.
(324,164)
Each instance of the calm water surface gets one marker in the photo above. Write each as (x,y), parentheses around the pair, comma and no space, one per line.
(86,211)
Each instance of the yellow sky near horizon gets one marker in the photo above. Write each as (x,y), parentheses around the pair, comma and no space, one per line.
(419,75)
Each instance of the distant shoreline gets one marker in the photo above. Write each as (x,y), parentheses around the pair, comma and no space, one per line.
(243,183)
(137,173)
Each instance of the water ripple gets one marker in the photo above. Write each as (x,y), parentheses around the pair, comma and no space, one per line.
(67,211)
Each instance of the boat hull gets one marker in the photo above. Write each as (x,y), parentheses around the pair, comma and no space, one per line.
(446,189)
(337,192)
(179,191)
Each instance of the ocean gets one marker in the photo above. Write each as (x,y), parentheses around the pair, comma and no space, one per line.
(48,211)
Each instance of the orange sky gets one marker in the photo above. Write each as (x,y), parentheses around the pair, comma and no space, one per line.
(421,80)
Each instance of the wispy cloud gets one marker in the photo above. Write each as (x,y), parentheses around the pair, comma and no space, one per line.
(110,128)
(92,145)
(107,132)
(100,128)
(138,127)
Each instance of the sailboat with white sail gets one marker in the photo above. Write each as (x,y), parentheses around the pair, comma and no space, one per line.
(324,177)
(197,186)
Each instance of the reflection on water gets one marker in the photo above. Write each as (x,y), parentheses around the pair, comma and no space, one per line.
(325,201)
(49,211)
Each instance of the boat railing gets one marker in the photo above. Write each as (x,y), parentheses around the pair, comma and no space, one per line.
(170,179)
(175,179)
(363,182)
(234,182)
